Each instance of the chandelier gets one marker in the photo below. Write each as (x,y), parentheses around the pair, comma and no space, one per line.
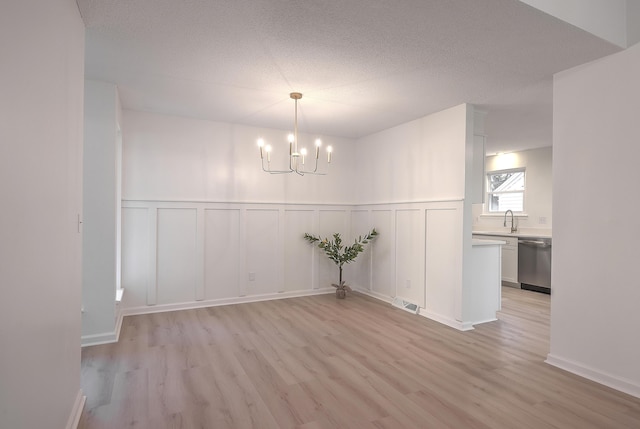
(297,158)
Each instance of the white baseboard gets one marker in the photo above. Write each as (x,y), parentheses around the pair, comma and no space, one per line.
(112,337)
(452,323)
(467,326)
(105,337)
(627,386)
(224,301)
(479,322)
(376,295)
(76,411)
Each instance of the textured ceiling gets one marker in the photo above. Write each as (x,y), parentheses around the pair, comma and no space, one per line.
(362,65)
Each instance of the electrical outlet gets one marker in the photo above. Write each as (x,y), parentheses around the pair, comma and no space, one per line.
(252,277)
(407,284)
(542,220)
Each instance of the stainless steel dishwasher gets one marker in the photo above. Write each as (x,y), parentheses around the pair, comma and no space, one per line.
(534,264)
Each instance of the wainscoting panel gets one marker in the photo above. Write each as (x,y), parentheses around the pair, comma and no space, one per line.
(298,253)
(358,273)
(193,254)
(263,250)
(383,258)
(221,253)
(135,254)
(176,259)
(410,248)
(443,264)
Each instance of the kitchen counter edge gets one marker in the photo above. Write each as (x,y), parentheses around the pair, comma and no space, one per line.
(518,234)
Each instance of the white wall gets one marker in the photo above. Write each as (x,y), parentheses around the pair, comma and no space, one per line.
(606,19)
(101,207)
(42,51)
(633,22)
(422,160)
(168,158)
(594,304)
(538,199)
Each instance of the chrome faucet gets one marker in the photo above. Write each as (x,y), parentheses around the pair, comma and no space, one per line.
(513,228)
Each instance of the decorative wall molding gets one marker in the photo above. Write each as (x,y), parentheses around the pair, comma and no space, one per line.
(376,295)
(180,254)
(219,302)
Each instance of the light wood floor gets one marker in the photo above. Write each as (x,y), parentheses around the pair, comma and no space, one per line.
(317,362)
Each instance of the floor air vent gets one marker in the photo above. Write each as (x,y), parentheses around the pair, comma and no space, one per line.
(405,305)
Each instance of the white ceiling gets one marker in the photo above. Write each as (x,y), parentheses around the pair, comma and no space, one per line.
(362,65)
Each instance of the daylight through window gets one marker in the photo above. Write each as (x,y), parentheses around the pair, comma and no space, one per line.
(506,190)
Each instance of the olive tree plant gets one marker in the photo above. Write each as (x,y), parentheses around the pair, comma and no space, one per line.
(340,254)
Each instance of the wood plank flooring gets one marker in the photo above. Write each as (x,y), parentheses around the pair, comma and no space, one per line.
(317,362)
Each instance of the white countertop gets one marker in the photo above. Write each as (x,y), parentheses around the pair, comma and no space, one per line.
(483,242)
(528,233)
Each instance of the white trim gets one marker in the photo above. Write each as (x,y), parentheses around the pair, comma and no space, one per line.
(223,301)
(376,295)
(507,170)
(76,411)
(144,203)
(105,337)
(468,326)
(452,323)
(627,386)
(97,339)
(491,319)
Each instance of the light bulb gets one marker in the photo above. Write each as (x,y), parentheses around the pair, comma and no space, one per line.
(303,151)
(290,138)
(260,143)
(318,142)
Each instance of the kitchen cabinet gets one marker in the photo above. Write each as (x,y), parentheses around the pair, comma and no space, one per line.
(509,258)
(483,297)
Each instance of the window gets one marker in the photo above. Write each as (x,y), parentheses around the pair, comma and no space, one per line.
(506,190)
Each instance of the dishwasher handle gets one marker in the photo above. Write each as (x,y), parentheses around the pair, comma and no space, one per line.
(537,243)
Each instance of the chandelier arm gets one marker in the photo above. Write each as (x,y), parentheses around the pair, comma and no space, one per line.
(270,171)
(316,167)
(302,173)
(313,172)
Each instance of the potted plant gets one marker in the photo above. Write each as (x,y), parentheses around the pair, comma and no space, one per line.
(340,254)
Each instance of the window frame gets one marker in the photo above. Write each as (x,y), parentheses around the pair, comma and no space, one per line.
(488,210)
